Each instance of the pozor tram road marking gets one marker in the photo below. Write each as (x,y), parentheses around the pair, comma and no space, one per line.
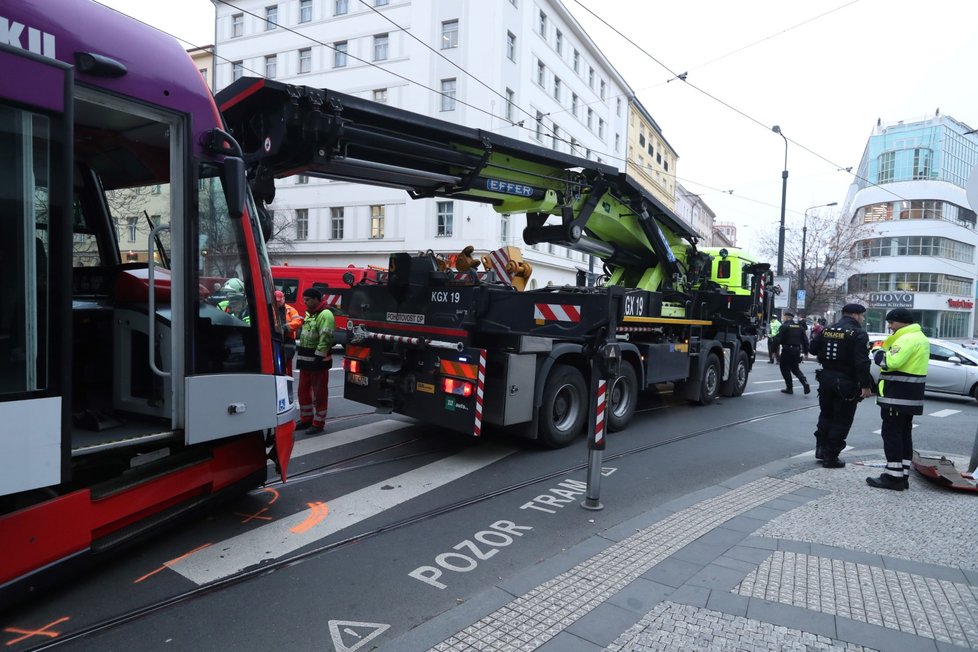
(276,539)
(353,629)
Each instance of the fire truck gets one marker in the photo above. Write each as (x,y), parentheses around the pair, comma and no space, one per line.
(468,346)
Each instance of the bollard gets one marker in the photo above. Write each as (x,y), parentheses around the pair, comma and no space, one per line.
(595,441)
(973,464)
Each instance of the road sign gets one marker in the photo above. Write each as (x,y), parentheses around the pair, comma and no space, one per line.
(782,291)
(800,299)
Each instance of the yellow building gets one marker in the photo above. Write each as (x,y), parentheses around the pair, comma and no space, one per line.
(651,160)
(203,58)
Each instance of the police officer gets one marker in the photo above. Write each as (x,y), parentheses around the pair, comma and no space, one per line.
(903,361)
(843,381)
(793,341)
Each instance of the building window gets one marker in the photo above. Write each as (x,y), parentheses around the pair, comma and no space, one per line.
(510,46)
(237,70)
(305,60)
(539,129)
(381,43)
(271,66)
(448,94)
(577,62)
(340,7)
(618,108)
(380,95)
(504,227)
(559,42)
(305,11)
(601,128)
(590,118)
(376,222)
(446,217)
(203,73)
(510,104)
(339,54)
(542,26)
(557,88)
(556,137)
(237,25)
(449,34)
(922,163)
(301,179)
(887,166)
(541,73)
(617,142)
(302,224)
(590,77)
(574,104)
(603,87)
(336,223)
(271,17)
(381,3)
(133,226)
(641,140)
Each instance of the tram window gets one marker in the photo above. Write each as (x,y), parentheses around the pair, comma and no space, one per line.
(26,143)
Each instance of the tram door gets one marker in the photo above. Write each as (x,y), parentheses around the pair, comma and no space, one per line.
(35,191)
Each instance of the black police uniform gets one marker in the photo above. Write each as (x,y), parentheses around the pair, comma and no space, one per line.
(793,342)
(843,350)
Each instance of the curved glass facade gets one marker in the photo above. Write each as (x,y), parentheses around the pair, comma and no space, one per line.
(916,245)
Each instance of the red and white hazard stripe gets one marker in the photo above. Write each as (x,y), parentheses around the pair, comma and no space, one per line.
(499,259)
(599,422)
(479,391)
(556,312)
(333,300)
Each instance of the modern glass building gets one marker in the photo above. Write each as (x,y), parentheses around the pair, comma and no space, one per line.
(919,248)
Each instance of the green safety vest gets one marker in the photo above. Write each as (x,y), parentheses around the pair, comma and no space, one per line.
(775,326)
(904,371)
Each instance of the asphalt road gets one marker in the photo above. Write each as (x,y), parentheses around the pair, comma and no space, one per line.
(387,523)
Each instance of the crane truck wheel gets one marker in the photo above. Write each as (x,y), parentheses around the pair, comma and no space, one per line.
(741,372)
(564,408)
(622,397)
(710,380)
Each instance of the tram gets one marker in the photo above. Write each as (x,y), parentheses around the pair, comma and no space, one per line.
(140,359)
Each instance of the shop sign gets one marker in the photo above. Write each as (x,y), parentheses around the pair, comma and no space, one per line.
(960,303)
(891,300)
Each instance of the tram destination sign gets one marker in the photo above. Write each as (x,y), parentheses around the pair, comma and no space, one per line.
(891,300)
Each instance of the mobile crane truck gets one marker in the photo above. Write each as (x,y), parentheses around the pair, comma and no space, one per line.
(463,348)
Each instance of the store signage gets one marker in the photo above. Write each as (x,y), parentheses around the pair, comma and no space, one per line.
(891,300)
(960,303)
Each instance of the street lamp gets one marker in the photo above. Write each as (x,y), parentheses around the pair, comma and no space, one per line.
(784,194)
(804,239)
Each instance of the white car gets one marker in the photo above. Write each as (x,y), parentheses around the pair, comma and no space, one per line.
(952,369)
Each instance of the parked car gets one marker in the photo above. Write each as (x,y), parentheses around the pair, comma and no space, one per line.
(952,369)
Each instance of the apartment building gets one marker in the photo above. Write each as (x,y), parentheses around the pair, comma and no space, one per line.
(522,68)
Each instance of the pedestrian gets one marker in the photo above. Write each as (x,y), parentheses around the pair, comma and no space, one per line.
(820,325)
(314,358)
(291,322)
(843,381)
(902,359)
(234,301)
(772,348)
(793,341)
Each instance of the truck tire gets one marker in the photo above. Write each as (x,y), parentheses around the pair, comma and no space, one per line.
(740,373)
(622,397)
(710,380)
(564,409)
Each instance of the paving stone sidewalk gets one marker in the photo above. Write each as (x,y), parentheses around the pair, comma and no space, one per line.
(785,557)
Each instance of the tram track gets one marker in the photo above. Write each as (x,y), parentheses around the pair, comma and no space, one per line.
(272,567)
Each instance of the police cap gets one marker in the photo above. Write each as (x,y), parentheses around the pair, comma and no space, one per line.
(853,309)
(788,313)
(901,315)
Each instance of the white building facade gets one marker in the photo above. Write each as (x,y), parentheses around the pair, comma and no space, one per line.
(920,248)
(521,68)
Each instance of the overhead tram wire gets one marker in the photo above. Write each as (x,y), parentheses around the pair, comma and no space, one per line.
(683,78)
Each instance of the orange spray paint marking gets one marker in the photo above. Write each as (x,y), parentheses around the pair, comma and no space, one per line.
(317,512)
(30,633)
(261,511)
(169,563)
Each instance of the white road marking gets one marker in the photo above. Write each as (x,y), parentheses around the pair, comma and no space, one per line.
(373,631)
(762,391)
(763,382)
(289,534)
(811,453)
(880,431)
(348,436)
(943,413)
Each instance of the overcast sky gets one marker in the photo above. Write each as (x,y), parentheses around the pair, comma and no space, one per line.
(823,71)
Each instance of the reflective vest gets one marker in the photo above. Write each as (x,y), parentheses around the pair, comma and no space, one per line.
(904,370)
(774,326)
(315,346)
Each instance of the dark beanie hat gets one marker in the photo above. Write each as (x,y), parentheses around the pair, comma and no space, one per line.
(853,309)
(313,292)
(901,315)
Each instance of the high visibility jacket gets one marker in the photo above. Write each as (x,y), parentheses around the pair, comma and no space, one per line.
(291,321)
(315,348)
(904,370)
(774,327)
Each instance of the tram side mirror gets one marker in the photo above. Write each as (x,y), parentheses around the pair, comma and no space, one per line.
(235,185)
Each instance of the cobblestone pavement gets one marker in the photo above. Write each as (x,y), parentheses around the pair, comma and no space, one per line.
(785,557)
